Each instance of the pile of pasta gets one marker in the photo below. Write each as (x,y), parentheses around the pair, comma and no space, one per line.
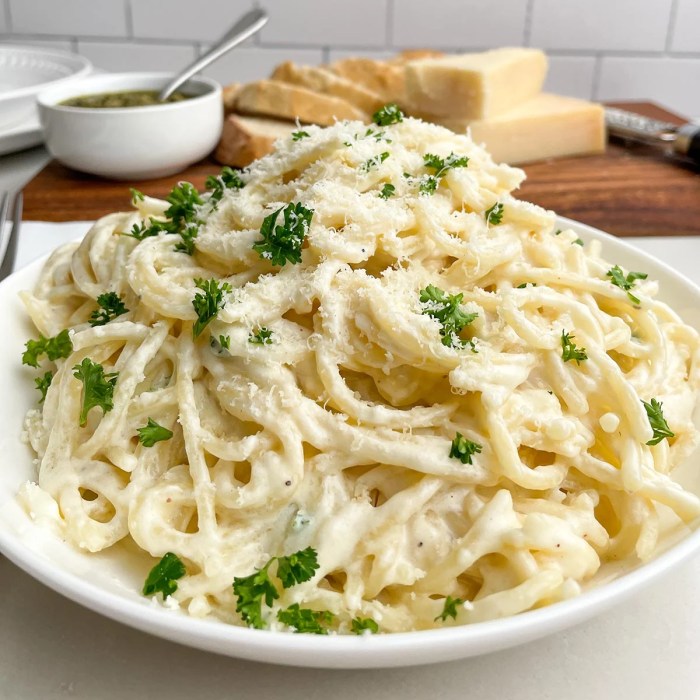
(338,431)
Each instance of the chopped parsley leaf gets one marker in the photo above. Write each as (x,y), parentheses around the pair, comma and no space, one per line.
(657,422)
(283,243)
(152,433)
(225,342)
(163,576)
(442,165)
(263,336)
(305,620)
(208,302)
(98,387)
(388,114)
(297,567)
(299,135)
(188,234)
(136,195)
(569,351)
(450,609)
(387,191)
(444,308)
(227,179)
(252,590)
(43,383)
(363,624)
(494,214)
(54,348)
(463,449)
(110,305)
(183,200)
(374,162)
(617,277)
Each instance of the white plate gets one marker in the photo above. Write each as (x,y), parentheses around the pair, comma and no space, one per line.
(106,583)
(24,72)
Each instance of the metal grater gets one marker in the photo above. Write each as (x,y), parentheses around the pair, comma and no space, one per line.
(672,139)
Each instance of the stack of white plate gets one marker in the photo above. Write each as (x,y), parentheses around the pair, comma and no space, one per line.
(24,72)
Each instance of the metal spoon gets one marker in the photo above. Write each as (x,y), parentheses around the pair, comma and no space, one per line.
(246,26)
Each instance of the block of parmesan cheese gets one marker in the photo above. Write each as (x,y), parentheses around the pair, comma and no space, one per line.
(272,98)
(245,139)
(546,126)
(475,85)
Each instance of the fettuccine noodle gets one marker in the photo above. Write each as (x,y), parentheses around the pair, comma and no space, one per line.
(337,434)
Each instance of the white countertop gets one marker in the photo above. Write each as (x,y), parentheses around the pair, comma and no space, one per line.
(52,648)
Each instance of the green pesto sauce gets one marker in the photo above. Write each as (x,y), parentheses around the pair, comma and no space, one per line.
(126,98)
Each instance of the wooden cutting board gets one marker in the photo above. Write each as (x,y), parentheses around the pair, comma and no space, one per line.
(628,191)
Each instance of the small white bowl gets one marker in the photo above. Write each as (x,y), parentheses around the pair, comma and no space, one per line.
(131,142)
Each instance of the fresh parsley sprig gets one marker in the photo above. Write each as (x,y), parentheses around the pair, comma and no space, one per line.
(110,305)
(164,575)
(428,184)
(494,214)
(43,383)
(153,432)
(283,243)
(208,302)
(445,309)
(184,200)
(388,114)
(442,165)
(188,235)
(227,179)
(463,449)
(98,387)
(60,346)
(569,351)
(305,620)
(657,422)
(450,608)
(618,278)
(251,591)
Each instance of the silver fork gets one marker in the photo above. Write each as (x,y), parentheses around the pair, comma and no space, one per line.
(11,249)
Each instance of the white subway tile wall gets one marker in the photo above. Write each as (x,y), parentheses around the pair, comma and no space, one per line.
(121,56)
(599,49)
(686,27)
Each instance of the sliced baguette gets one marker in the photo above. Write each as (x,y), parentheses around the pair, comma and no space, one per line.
(325,81)
(245,139)
(273,98)
(384,78)
(408,55)
(229,94)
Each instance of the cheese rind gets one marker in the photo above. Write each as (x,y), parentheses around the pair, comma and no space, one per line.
(475,85)
(547,126)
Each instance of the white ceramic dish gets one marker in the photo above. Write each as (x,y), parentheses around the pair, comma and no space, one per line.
(106,583)
(23,135)
(132,143)
(27,70)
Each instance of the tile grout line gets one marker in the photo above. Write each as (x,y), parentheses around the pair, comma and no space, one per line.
(129,12)
(527,29)
(597,70)
(389,31)
(671,24)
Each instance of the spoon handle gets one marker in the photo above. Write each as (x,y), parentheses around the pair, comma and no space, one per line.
(246,26)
